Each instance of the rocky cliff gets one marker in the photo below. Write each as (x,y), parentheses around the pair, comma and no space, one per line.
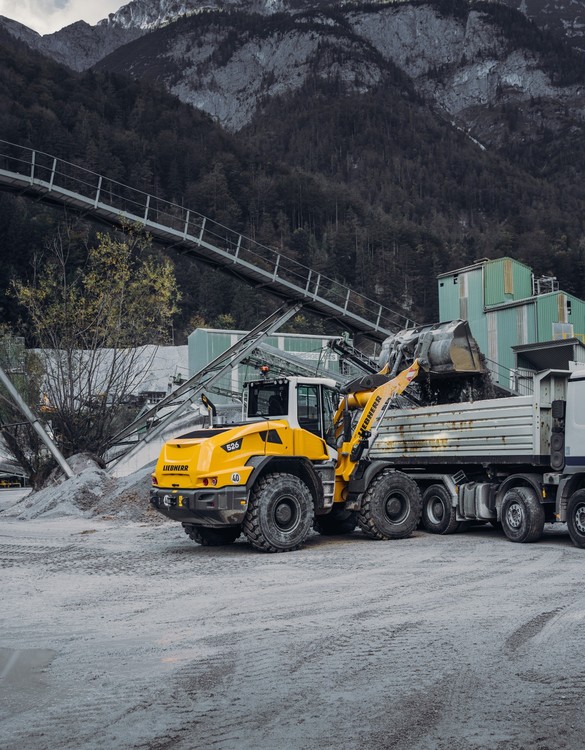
(465,63)
(472,60)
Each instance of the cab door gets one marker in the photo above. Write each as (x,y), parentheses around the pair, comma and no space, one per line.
(316,406)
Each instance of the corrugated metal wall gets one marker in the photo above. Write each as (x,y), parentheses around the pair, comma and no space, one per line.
(559,307)
(461,296)
(506,280)
(515,325)
(206,344)
(448,299)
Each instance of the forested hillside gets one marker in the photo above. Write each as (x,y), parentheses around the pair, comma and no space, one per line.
(376,188)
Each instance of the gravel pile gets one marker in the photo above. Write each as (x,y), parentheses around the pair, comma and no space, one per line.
(91,493)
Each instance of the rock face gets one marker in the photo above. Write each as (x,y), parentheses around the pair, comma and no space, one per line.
(563,17)
(227,57)
(151,14)
(465,63)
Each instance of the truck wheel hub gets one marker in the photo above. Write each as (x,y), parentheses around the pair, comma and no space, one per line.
(284,514)
(580,519)
(514,516)
(437,511)
(394,507)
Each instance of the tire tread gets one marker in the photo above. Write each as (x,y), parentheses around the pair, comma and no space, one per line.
(252,525)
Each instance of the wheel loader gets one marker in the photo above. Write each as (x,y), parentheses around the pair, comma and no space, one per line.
(300,457)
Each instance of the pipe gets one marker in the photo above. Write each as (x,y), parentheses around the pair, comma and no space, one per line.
(36,425)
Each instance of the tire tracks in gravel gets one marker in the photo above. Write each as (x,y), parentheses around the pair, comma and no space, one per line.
(427,644)
(530,629)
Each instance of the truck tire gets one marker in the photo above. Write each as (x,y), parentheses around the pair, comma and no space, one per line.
(576,518)
(337,521)
(280,513)
(522,515)
(391,506)
(208,537)
(439,516)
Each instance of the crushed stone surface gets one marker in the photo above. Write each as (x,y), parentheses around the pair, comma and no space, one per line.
(121,634)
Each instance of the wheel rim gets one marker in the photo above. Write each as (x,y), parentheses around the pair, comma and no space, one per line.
(396,507)
(580,518)
(286,514)
(514,516)
(435,510)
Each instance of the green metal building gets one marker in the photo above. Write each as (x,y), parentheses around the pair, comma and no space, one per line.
(507,307)
(205,344)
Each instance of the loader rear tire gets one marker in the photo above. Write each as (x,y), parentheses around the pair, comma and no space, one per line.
(522,515)
(439,516)
(391,506)
(208,537)
(280,513)
(576,518)
(337,521)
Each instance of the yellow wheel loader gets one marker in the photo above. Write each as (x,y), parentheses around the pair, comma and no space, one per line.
(299,459)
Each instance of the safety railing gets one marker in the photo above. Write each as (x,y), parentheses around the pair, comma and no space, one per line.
(54,179)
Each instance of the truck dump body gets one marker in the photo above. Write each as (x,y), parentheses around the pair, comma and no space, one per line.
(507,430)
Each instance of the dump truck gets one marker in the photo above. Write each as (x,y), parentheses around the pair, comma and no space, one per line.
(517,462)
(300,458)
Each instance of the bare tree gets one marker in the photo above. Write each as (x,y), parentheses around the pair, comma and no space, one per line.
(91,321)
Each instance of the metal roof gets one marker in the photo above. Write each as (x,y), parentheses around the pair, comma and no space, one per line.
(551,355)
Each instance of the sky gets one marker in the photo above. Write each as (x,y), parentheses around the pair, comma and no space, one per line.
(46,16)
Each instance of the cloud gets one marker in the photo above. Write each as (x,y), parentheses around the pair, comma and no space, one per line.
(46,16)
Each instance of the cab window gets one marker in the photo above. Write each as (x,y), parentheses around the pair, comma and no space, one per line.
(268,400)
(330,401)
(308,409)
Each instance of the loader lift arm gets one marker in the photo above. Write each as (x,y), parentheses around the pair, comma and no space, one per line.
(357,441)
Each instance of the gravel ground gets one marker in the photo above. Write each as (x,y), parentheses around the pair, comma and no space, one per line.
(125,634)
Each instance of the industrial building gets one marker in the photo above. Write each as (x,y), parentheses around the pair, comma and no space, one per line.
(522,324)
(205,344)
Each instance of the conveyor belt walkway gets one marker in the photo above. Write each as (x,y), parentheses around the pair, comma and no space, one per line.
(45,177)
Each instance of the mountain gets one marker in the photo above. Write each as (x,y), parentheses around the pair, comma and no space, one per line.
(151,14)
(566,18)
(78,46)
(474,61)
(379,143)
(479,63)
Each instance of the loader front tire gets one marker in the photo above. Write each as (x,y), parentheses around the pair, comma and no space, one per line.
(280,513)
(391,506)
(208,537)
(522,515)
(439,516)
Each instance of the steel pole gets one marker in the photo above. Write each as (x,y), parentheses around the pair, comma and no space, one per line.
(36,425)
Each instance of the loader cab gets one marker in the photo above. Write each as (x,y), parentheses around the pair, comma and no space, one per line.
(305,403)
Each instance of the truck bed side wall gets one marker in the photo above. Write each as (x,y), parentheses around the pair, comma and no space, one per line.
(506,430)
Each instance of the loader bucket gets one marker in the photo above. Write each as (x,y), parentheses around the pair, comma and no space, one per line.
(443,349)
